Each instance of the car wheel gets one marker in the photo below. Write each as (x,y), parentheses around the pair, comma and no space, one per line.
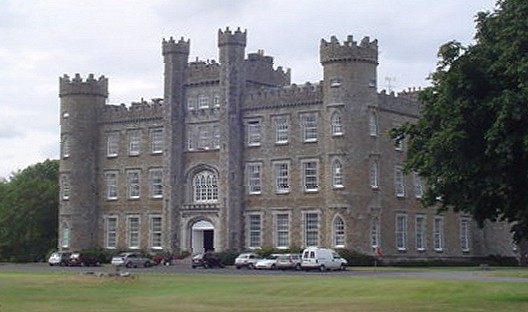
(146,264)
(273,267)
(297,267)
(238,268)
(343,267)
(322,268)
(251,266)
(129,265)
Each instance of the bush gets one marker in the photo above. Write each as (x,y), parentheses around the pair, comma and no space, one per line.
(228,256)
(102,255)
(356,258)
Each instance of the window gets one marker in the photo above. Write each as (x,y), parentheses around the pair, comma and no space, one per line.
(339,233)
(374,232)
(191,102)
(133,183)
(309,127)
(399,184)
(216,100)
(420,232)
(203,101)
(156,183)
(337,174)
(281,129)
(65,239)
(438,233)
(281,175)
(111,179)
(418,186)
(134,139)
(65,146)
(254,230)
(311,229)
(337,124)
(373,124)
(155,232)
(282,230)
(111,232)
(191,144)
(205,187)
(204,137)
(253,133)
(401,231)
(156,141)
(253,176)
(65,187)
(133,232)
(216,137)
(464,234)
(374,174)
(112,144)
(398,145)
(310,176)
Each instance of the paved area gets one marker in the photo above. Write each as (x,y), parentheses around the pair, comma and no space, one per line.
(454,274)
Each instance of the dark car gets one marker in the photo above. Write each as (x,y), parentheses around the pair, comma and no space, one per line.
(206,260)
(80,259)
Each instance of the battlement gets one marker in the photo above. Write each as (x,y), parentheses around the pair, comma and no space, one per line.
(405,102)
(231,38)
(259,70)
(349,51)
(77,85)
(179,47)
(291,95)
(142,110)
(203,71)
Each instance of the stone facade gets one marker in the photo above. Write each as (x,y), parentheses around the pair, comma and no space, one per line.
(234,156)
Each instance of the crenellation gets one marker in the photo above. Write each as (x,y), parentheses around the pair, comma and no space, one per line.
(260,71)
(286,96)
(136,111)
(203,71)
(228,37)
(77,86)
(172,46)
(349,51)
(405,102)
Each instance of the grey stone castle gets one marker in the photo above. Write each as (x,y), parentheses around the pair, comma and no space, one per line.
(234,156)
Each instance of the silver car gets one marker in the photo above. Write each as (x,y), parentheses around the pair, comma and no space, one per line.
(247,260)
(131,260)
(289,261)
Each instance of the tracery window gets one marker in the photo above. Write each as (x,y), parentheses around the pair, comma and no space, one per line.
(205,187)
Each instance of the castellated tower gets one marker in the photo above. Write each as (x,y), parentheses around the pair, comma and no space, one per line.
(80,102)
(175,57)
(232,88)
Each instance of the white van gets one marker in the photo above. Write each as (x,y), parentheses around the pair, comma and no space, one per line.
(323,259)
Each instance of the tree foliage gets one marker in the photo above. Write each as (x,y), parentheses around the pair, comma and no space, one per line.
(28,212)
(471,142)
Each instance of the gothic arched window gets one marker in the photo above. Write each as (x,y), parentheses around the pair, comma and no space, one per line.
(337,124)
(339,232)
(205,187)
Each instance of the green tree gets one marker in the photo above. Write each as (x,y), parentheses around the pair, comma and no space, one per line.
(471,142)
(28,212)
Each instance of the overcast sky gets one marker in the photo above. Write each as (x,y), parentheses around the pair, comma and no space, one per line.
(41,40)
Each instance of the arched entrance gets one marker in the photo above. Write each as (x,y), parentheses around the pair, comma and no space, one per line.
(202,236)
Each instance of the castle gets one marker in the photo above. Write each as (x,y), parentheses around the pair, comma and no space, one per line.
(234,156)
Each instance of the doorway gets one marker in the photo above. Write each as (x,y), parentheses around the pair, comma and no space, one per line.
(202,236)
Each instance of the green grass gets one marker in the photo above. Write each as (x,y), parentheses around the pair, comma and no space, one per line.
(45,291)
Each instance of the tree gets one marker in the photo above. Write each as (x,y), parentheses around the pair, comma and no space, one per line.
(28,212)
(471,142)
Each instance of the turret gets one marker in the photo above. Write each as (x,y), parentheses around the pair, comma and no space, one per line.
(80,102)
(232,88)
(349,68)
(176,58)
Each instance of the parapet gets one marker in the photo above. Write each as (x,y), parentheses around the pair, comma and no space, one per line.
(404,102)
(137,111)
(77,85)
(203,72)
(179,47)
(231,38)
(259,70)
(287,96)
(349,51)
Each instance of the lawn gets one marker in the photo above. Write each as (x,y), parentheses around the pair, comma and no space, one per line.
(45,291)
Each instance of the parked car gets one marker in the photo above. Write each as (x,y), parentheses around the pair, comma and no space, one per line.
(80,259)
(59,258)
(131,260)
(289,261)
(247,260)
(206,260)
(322,259)
(268,263)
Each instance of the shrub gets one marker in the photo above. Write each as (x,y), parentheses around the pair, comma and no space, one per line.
(356,258)
(228,256)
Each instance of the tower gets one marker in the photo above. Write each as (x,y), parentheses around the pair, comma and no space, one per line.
(175,57)
(232,88)
(80,102)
